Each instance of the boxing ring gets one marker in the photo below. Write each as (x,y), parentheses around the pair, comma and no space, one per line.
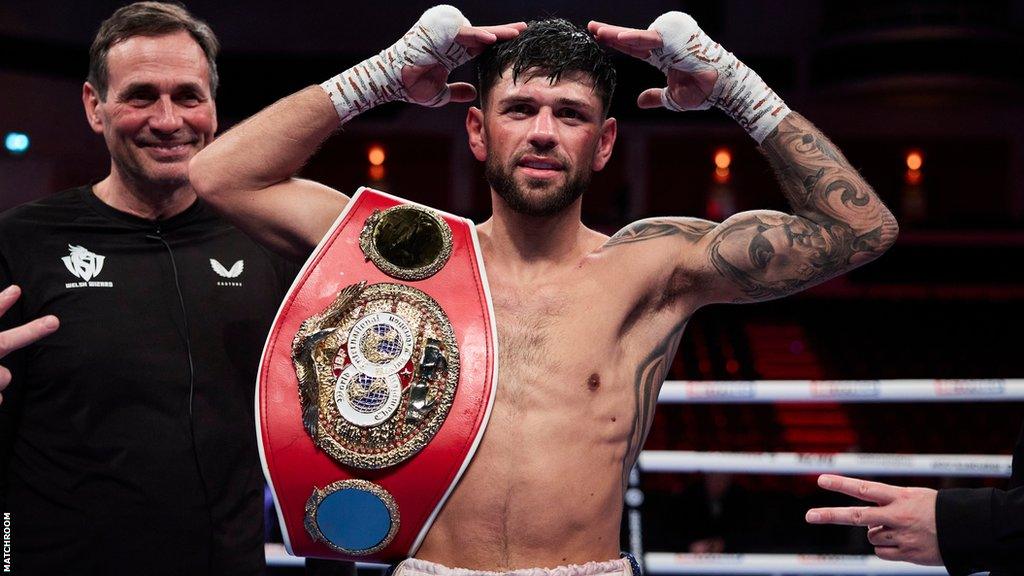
(788,463)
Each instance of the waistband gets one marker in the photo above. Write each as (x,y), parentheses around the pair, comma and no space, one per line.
(618,567)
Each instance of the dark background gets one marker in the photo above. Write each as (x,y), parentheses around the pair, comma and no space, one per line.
(881,78)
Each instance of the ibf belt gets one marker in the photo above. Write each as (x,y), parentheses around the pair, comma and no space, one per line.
(376,380)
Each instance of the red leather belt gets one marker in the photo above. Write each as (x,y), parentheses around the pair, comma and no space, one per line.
(376,380)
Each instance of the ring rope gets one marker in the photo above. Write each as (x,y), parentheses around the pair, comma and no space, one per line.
(803,391)
(963,465)
(669,563)
(810,391)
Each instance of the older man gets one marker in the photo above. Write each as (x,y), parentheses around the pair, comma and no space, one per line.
(127,436)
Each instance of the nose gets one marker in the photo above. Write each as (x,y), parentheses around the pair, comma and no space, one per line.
(165,118)
(542,132)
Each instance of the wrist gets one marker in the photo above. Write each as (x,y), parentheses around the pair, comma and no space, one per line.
(378,79)
(366,85)
(738,90)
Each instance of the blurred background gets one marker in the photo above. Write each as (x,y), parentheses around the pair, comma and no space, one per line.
(924,98)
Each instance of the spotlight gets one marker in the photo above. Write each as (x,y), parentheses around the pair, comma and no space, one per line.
(376,155)
(723,158)
(16,142)
(915,159)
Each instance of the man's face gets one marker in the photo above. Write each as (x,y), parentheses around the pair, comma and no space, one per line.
(158,110)
(540,141)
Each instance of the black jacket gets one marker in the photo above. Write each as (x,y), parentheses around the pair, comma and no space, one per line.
(983,529)
(127,440)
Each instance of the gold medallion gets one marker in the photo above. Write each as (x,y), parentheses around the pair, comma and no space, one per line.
(377,374)
(406,242)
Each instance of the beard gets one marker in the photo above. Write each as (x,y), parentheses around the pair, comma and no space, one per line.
(541,203)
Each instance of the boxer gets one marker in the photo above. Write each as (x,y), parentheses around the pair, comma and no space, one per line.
(587,324)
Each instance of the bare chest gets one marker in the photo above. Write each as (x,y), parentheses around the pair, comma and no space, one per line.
(554,344)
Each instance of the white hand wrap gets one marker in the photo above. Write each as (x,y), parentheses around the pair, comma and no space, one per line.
(378,79)
(739,91)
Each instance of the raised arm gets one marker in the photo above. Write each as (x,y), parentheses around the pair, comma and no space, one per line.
(247,174)
(838,222)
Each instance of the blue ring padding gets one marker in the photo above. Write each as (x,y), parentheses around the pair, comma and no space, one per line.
(353,519)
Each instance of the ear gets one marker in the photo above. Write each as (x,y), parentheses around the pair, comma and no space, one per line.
(609,130)
(91,101)
(213,117)
(475,132)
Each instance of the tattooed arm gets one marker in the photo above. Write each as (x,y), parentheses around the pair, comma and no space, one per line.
(838,221)
(838,224)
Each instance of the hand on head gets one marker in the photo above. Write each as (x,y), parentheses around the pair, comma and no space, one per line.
(424,81)
(20,336)
(689,83)
(699,72)
(416,67)
(901,526)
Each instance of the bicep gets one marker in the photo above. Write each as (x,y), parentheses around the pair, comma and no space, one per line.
(763,254)
(290,217)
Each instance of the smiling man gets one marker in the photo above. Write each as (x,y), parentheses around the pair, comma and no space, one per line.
(126,438)
(587,324)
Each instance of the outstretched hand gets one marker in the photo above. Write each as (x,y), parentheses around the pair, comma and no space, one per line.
(20,336)
(900,527)
(424,82)
(690,90)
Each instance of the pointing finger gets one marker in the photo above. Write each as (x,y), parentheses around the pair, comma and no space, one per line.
(8,297)
(20,336)
(851,516)
(862,489)
(641,39)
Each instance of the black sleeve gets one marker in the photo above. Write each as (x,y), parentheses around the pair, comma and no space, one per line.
(284,270)
(10,407)
(980,529)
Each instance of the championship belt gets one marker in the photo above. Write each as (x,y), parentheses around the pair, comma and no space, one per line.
(377,380)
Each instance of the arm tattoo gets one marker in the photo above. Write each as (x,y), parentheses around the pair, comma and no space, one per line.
(691,228)
(650,375)
(840,222)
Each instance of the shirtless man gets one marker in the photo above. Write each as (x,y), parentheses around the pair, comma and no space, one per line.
(587,324)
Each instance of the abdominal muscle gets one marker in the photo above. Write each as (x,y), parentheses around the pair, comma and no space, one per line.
(544,489)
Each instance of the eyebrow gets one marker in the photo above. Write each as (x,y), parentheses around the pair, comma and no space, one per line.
(563,101)
(137,86)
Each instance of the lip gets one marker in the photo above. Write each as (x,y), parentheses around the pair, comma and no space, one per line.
(168,150)
(540,167)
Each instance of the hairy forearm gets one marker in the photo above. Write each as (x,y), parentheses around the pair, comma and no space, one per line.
(265,149)
(825,189)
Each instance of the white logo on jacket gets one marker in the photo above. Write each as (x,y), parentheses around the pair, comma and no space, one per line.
(85,265)
(234,272)
(82,263)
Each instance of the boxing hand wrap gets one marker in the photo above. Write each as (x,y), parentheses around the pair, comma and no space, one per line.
(738,91)
(378,79)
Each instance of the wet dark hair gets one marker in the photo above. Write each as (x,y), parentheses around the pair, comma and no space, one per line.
(550,47)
